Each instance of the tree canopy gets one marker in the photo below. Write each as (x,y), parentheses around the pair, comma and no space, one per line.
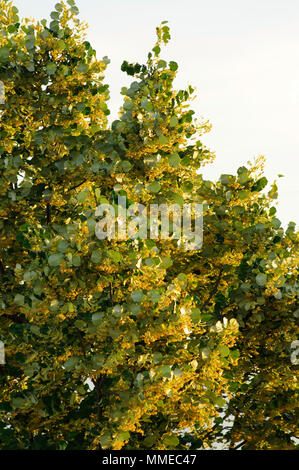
(134,343)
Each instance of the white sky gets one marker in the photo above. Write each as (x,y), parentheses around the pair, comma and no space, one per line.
(241,55)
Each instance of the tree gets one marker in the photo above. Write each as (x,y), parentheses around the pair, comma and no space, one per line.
(133,343)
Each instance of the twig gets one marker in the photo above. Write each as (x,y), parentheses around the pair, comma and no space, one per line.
(77,185)
(48,212)
(239,445)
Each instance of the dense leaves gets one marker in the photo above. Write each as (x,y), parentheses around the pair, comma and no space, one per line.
(131,343)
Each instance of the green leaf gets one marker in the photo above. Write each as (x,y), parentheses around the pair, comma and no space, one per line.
(105,441)
(137,296)
(260,184)
(243,175)
(243,195)
(123,436)
(82,68)
(224,351)
(51,68)
(80,324)
(18,402)
(61,45)
(157,357)
(82,196)
(162,64)
(219,401)
(55,15)
(226,179)
(114,255)
(97,317)
(171,441)
(156,50)
(174,159)
(276,223)
(261,279)
(177,198)
(35,330)
(145,104)
(4,54)
(76,260)
(163,139)
(19,299)
(166,262)
(96,256)
(195,315)
(55,259)
(173,66)
(71,363)
(30,67)
(235,353)
(154,187)
(205,353)
(165,371)
(272,211)
(63,246)
(126,166)
(182,278)
(75,10)
(154,295)
(30,43)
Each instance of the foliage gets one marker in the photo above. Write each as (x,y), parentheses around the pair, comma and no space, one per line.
(134,343)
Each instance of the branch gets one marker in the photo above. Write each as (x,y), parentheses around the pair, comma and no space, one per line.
(2,269)
(239,445)
(77,185)
(111,294)
(48,213)
(98,384)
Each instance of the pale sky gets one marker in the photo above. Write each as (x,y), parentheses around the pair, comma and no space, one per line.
(242,57)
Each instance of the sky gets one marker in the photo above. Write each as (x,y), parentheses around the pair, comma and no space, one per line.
(242,57)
